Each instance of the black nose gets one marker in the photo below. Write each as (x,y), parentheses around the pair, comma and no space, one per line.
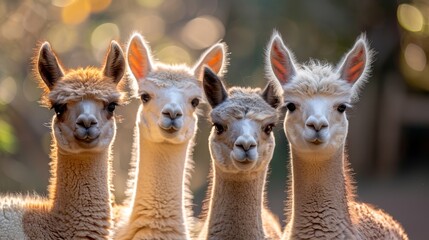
(86,121)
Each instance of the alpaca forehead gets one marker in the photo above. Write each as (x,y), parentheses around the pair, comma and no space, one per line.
(317,79)
(178,76)
(170,91)
(237,110)
(79,85)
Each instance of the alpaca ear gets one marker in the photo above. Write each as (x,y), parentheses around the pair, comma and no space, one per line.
(213,88)
(48,66)
(214,58)
(272,95)
(139,57)
(355,65)
(114,66)
(280,60)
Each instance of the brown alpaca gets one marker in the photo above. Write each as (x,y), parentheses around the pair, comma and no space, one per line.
(165,126)
(83,129)
(241,145)
(322,203)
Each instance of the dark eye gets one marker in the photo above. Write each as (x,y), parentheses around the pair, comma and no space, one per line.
(269,128)
(60,109)
(341,108)
(111,107)
(145,97)
(291,107)
(195,102)
(219,128)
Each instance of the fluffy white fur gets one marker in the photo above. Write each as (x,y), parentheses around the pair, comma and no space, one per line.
(322,204)
(159,204)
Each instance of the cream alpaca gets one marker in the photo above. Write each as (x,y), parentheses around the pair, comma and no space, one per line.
(241,145)
(83,128)
(322,201)
(166,123)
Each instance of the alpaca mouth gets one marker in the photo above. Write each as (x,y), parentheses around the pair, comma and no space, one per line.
(316,141)
(170,130)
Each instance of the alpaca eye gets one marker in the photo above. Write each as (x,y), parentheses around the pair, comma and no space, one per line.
(195,102)
(145,97)
(111,107)
(269,128)
(291,107)
(60,109)
(219,128)
(341,108)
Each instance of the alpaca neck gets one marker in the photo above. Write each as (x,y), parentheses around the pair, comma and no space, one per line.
(79,204)
(158,207)
(236,206)
(82,186)
(319,195)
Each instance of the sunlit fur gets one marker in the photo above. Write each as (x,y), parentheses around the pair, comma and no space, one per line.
(159,199)
(322,203)
(235,207)
(79,202)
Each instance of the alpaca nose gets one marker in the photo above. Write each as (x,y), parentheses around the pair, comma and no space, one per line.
(172,111)
(86,121)
(246,143)
(317,123)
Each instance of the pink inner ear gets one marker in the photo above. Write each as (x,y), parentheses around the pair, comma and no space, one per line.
(215,63)
(278,62)
(355,66)
(138,64)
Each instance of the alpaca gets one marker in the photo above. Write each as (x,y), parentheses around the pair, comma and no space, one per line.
(83,129)
(165,126)
(322,202)
(241,145)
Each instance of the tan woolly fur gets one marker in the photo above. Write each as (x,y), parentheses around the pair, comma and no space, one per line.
(159,199)
(83,129)
(241,146)
(322,202)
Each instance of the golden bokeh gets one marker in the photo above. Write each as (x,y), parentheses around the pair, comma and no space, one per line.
(99,5)
(415,57)
(76,12)
(410,17)
(202,32)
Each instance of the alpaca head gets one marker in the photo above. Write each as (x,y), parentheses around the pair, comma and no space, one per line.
(317,95)
(169,94)
(84,100)
(243,119)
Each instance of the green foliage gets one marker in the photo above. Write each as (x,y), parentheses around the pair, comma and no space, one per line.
(7,138)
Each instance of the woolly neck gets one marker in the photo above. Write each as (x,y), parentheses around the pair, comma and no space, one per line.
(319,196)
(235,206)
(158,202)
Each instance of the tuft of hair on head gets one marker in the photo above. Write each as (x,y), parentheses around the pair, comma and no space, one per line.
(214,90)
(355,67)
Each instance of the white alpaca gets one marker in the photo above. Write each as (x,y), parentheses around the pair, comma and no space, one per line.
(322,203)
(83,129)
(165,126)
(241,145)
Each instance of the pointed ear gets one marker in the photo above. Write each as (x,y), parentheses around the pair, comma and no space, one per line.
(48,66)
(114,65)
(272,95)
(213,88)
(214,58)
(280,60)
(355,65)
(139,57)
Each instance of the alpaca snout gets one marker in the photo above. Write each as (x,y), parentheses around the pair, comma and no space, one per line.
(245,149)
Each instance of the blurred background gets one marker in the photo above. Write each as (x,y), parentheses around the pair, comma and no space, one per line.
(388,141)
